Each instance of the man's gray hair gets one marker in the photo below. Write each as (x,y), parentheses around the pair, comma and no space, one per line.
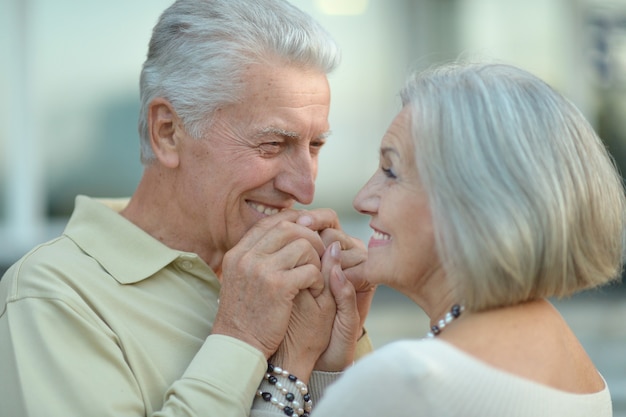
(200,49)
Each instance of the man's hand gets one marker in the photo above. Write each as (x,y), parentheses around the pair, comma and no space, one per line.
(262,275)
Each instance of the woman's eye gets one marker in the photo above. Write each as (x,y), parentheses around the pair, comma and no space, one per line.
(388,172)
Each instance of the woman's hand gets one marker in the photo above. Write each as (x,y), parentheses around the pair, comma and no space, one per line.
(346,327)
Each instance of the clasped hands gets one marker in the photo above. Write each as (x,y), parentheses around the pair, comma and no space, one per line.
(294,288)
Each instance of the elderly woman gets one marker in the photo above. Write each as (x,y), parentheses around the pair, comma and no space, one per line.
(493,195)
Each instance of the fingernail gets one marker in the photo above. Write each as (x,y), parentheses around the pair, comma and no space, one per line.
(305,220)
(335,249)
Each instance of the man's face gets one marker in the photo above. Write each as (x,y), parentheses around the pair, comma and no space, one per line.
(259,156)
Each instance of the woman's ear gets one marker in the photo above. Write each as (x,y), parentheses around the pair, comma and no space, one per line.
(165,132)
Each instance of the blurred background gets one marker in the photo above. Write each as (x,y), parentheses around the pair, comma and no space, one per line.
(69,88)
(69,106)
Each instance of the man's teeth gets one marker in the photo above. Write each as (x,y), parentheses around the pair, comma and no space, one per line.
(381,236)
(263,209)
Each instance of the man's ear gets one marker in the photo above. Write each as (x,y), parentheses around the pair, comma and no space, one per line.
(165,132)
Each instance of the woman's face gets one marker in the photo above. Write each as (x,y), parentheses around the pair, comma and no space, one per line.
(401,252)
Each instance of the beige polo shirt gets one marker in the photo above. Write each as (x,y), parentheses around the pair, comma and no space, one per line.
(107,321)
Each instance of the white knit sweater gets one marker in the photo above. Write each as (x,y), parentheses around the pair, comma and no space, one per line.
(430,377)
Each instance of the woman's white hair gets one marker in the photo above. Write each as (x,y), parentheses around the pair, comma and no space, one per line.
(200,49)
(525,199)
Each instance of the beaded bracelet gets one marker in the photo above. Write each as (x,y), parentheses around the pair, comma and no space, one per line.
(290,407)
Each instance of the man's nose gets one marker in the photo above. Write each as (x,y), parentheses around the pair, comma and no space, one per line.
(298,177)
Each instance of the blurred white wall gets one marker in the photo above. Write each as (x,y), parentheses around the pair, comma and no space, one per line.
(69,88)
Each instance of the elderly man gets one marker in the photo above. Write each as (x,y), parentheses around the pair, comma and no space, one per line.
(172,303)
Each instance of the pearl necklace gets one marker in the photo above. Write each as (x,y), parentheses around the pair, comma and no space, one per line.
(454,313)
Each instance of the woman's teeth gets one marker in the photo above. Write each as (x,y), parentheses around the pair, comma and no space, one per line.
(381,236)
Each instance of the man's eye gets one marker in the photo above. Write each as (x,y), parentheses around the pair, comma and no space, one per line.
(270,147)
(316,146)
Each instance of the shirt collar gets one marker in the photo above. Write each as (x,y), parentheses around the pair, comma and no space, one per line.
(124,250)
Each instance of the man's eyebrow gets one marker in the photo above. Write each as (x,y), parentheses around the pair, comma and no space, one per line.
(275,131)
(324,135)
